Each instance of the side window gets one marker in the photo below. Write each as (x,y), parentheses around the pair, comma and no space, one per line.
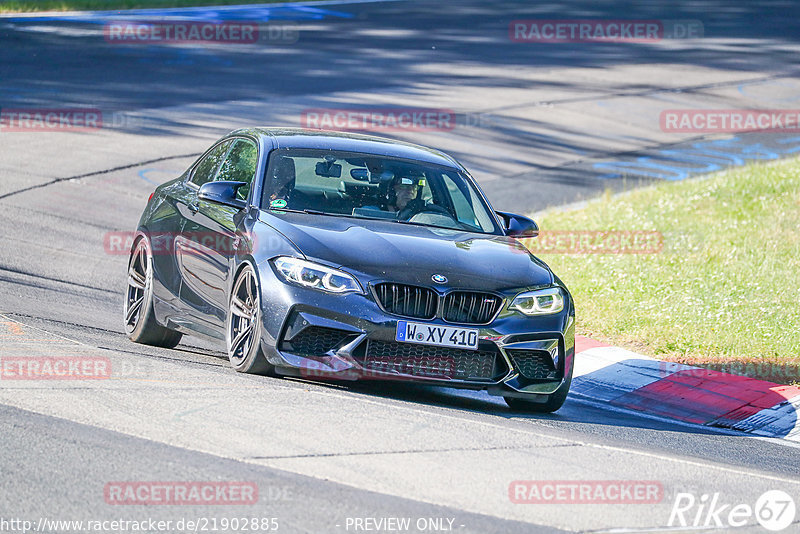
(240,166)
(207,168)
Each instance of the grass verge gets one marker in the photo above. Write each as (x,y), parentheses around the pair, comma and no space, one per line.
(723,292)
(27,6)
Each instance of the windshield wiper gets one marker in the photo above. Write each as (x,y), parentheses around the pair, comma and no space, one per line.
(464,228)
(309,212)
(422,224)
(317,212)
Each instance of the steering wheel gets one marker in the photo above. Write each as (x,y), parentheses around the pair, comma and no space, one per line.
(434,208)
(432,214)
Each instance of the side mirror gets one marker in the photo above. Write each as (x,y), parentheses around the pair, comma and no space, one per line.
(518,226)
(222,192)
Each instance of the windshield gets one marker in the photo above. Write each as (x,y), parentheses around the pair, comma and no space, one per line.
(374,187)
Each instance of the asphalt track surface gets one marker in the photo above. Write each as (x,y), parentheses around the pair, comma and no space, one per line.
(537,119)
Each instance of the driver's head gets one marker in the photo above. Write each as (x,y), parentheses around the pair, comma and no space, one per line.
(284,174)
(406,186)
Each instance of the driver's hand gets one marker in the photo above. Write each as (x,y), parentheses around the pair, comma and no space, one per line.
(411,209)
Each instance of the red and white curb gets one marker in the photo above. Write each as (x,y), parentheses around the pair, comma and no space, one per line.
(625,379)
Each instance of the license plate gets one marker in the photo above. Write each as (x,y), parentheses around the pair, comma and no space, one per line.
(433,334)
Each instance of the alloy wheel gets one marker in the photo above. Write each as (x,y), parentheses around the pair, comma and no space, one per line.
(242,327)
(138,285)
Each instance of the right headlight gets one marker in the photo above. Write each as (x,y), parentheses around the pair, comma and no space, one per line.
(316,276)
(539,302)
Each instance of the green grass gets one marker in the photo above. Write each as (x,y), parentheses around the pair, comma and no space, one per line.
(724,288)
(25,6)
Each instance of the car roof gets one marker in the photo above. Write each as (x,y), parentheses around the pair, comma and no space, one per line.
(368,144)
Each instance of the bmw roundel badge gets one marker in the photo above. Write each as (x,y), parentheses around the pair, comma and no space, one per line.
(439,278)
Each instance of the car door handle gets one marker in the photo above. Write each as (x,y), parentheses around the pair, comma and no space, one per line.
(193,208)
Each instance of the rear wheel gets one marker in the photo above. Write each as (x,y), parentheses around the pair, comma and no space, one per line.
(244,326)
(140,321)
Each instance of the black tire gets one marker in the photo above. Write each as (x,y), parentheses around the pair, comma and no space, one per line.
(554,401)
(243,326)
(140,321)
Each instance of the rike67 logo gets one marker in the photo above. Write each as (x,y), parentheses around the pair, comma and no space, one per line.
(774,510)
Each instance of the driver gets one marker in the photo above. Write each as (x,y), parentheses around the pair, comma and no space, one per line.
(404,194)
(282,183)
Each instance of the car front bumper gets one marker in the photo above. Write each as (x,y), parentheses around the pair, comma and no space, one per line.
(322,336)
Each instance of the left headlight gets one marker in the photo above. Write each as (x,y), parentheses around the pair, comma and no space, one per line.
(539,302)
(315,276)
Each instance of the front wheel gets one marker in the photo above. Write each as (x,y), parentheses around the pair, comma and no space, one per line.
(554,401)
(140,321)
(244,326)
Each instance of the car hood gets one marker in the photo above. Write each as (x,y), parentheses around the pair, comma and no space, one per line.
(385,250)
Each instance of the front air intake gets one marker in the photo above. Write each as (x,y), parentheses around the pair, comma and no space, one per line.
(406,300)
(470,308)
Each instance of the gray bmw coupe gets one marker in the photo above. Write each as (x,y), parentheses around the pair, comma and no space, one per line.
(340,256)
